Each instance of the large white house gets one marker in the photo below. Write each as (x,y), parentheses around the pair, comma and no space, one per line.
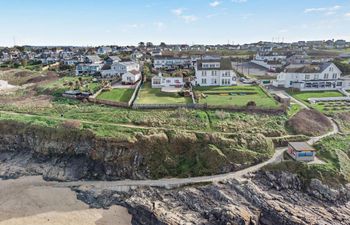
(120,68)
(326,76)
(215,72)
(167,62)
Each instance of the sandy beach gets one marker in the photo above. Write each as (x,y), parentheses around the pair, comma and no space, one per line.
(32,201)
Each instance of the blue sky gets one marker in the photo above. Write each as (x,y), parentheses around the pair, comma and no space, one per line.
(100,22)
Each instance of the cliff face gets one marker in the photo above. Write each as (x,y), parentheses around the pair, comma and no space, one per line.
(64,154)
(71,154)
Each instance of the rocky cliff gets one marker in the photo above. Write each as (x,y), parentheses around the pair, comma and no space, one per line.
(227,203)
(72,154)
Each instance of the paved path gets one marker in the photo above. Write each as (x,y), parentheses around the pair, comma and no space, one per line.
(177,182)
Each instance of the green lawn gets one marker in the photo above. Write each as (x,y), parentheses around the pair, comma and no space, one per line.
(236,95)
(117,95)
(150,95)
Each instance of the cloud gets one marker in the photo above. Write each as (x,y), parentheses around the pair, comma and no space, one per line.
(347,14)
(189,18)
(326,10)
(159,25)
(178,12)
(214,3)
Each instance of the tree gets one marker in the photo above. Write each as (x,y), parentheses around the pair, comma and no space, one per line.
(149,44)
(162,45)
(142,44)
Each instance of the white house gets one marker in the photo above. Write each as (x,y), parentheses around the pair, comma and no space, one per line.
(131,77)
(160,82)
(215,72)
(326,76)
(120,68)
(167,62)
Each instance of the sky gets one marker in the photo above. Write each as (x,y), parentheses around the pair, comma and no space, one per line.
(127,22)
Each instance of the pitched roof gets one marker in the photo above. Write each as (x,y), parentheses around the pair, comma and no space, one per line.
(225,64)
(309,68)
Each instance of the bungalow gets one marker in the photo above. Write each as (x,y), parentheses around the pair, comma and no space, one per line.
(131,77)
(169,62)
(161,82)
(215,72)
(120,68)
(326,76)
(301,151)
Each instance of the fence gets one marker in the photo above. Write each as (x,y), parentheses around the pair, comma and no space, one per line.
(276,111)
(110,103)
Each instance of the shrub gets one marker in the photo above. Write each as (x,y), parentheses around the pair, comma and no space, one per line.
(71,124)
(222,114)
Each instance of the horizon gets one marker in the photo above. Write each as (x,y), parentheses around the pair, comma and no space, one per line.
(206,22)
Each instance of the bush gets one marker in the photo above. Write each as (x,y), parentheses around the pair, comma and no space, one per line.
(222,114)
(71,124)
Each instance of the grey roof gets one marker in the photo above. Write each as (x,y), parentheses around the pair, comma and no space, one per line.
(309,68)
(225,64)
(301,146)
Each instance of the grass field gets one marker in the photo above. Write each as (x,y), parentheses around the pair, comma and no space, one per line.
(236,95)
(117,95)
(150,95)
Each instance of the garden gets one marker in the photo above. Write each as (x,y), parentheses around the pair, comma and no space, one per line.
(325,107)
(117,95)
(149,95)
(235,95)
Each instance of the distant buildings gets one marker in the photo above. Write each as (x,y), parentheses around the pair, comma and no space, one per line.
(169,62)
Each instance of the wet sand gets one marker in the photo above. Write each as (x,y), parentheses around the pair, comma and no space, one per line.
(32,201)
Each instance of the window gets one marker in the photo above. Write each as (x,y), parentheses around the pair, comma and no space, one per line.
(213,81)
(335,76)
(307,77)
(204,73)
(339,84)
(316,76)
(204,81)
(326,76)
(225,81)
